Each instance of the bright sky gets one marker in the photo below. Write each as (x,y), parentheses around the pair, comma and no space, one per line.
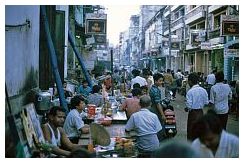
(118,20)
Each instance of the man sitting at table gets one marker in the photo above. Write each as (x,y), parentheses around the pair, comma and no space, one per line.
(146,125)
(74,124)
(55,135)
(96,97)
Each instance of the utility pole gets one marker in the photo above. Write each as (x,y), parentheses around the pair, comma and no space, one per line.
(112,70)
(169,37)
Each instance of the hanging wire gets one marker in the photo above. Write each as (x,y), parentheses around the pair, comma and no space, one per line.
(26,24)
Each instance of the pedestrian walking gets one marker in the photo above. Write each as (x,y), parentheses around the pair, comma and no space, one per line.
(196,98)
(220,94)
(168,80)
(210,81)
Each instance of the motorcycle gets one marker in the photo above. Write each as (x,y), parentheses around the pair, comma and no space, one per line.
(170,122)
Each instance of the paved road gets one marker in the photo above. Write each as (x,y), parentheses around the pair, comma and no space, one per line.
(181,119)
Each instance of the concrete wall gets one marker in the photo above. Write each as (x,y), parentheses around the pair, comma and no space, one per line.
(21,52)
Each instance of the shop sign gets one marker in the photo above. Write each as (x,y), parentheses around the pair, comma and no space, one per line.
(229,25)
(100,39)
(95,26)
(206,46)
(174,53)
(175,45)
(195,39)
(230,28)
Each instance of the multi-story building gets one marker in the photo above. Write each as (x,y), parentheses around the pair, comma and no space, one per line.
(223,37)
(147,13)
(208,46)
(196,59)
(134,41)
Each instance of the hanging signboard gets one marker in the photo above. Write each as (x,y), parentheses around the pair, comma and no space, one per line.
(229,25)
(96,25)
(100,39)
(230,28)
(175,45)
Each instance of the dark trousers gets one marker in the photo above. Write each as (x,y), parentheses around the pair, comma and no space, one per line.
(161,134)
(74,140)
(193,116)
(223,120)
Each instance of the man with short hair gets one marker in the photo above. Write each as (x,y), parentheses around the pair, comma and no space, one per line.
(196,98)
(157,94)
(55,135)
(84,89)
(168,80)
(210,81)
(212,140)
(146,125)
(74,125)
(220,94)
(137,78)
(131,105)
(96,97)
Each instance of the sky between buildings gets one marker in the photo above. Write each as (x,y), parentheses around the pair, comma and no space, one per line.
(118,20)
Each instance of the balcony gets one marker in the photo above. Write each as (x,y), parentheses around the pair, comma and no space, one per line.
(173,8)
(166,11)
(214,33)
(196,14)
(214,8)
(191,47)
(178,23)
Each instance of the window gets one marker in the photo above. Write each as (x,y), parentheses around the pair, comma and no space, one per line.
(182,12)
(216,21)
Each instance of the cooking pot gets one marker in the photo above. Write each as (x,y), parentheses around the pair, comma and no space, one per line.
(43,101)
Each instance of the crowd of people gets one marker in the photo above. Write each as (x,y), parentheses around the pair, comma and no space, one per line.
(206,133)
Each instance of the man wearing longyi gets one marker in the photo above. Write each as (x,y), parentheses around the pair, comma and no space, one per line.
(146,125)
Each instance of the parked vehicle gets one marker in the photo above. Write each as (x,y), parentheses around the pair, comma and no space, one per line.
(170,123)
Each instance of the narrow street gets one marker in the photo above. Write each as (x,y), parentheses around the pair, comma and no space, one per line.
(181,119)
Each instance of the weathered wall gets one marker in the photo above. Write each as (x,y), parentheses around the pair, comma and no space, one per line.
(21,53)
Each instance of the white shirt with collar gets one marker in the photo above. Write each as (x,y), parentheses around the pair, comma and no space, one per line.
(220,94)
(73,123)
(228,147)
(142,81)
(196,97)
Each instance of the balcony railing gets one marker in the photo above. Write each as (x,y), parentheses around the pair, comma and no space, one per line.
(214,33)
(190,16)
(213,8)
(178,21)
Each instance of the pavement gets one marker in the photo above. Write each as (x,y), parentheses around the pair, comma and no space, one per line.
(181,119)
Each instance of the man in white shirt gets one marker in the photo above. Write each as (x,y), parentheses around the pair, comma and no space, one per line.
(138,79)
(196,98)
(74,125)
(210,81)
(146,125)
(220,94)
(211,78)
(212,140)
